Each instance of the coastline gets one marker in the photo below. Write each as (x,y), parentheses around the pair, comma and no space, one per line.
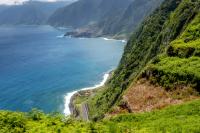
(68,106)
(68,98)
(104,38)
(88,34)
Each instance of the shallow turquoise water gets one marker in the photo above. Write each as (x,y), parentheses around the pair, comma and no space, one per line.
(38,68)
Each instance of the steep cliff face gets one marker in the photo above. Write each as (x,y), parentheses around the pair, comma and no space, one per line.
(87,12)
(152,38)
(118,18)
(128,20)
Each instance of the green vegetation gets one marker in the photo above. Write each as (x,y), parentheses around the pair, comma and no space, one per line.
(163,26)
(188,44)
(182,49)
(171,72)
(181,64)
(137,53)
(179,118)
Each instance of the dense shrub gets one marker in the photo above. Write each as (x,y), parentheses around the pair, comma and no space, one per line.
(179,118)
(181,64)
(188,44)
(170,72)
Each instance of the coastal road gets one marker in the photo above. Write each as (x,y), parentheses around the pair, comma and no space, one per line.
(85,112)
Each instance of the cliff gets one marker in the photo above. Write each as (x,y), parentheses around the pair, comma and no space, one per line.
(145,55)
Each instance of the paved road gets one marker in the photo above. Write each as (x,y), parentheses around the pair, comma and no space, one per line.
(85,112)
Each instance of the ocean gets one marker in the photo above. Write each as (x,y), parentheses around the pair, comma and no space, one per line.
(39,68)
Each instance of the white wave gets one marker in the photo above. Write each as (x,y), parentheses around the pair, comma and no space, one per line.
(61,36)
(81,38)
(67,102)
(123,41)
(107,39)
(69,36)
(69,95)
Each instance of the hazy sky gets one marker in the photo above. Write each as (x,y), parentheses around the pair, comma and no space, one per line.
(10,2)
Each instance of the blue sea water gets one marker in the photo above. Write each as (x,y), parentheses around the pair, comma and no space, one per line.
(38,68)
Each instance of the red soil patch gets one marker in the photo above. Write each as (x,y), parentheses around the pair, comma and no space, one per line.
(144,96)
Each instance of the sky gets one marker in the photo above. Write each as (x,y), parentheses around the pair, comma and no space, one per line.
(11,2)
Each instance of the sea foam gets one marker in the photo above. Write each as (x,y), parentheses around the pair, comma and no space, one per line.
(107,39)
(61,36)
(69,95)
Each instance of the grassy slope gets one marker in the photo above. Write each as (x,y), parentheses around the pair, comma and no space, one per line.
(179,118)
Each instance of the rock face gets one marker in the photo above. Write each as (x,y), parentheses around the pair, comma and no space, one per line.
(131,17)
(87,12)
(87,34)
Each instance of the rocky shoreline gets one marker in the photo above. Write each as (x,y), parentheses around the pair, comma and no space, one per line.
(83,32)
(92,33)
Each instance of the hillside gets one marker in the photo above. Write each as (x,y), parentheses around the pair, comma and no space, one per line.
(104,17)
(29,13)
(162,30)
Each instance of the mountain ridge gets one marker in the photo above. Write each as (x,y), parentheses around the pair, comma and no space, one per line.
(104,18)
(29,13)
